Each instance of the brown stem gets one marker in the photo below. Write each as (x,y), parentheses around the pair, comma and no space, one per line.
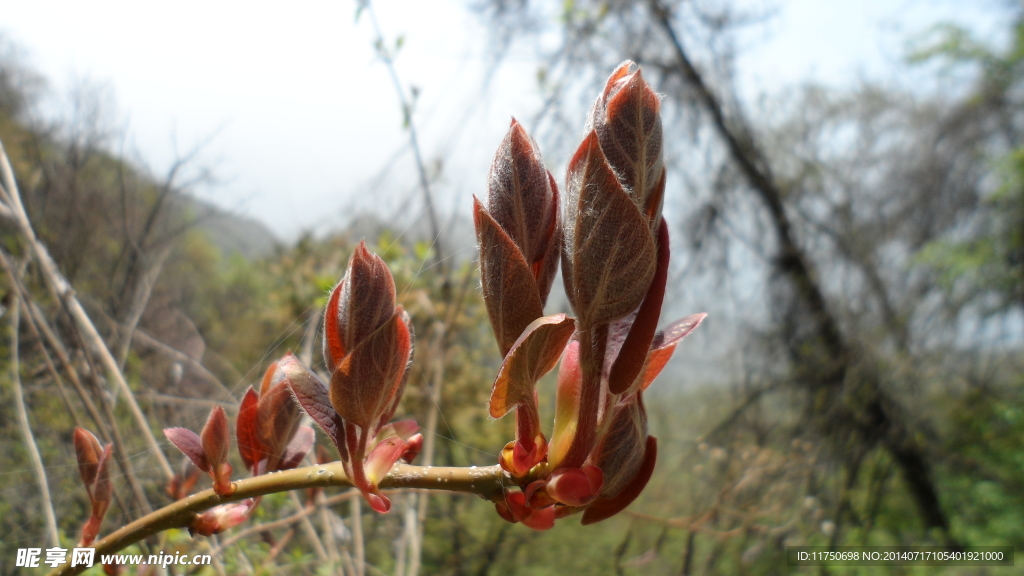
(488,481)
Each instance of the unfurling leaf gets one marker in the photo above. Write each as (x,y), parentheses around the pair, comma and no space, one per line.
(312,395)
(88,452)
(627,119)
(216,443)
(215,437)
(520,195)
(664,345)
(190,445)
(534,354)
(247,431)
(620,451)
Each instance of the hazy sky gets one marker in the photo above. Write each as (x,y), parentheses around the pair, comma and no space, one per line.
(304,118)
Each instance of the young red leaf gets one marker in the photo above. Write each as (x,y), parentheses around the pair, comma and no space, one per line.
(519,511)
(627,120)
(620,451)
(664,345)
(508,283)
(367,299)
(102,489)
(247,431)
(334,347)
(534,354)
(631,356)
(609,254)
(216,438)
(312,395)
(279,416)
(575,486)
(190,445)
(519,194)
(87,451)
(367,380)
(544,270)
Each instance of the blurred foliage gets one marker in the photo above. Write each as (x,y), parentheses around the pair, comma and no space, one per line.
(990,263)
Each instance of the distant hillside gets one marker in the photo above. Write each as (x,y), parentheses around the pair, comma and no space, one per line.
(232,233)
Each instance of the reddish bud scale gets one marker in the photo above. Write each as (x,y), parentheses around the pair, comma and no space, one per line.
(94,467)
(216,441)
(268,424)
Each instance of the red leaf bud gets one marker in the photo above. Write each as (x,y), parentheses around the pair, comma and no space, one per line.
(609,256)
(627,120)
(519,234)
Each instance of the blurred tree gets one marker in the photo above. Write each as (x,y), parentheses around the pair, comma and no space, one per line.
(829,198)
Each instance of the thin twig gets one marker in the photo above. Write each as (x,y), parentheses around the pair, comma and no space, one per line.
(357,536)
(428,200)
(26,429)
(63,292)
(142,338)
(140,300)
(307,527)
(106,424)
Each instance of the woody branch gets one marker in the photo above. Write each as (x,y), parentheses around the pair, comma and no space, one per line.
(487,481)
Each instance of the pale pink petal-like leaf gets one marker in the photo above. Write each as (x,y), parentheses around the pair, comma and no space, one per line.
(412,448)
(382,458)
(403,429)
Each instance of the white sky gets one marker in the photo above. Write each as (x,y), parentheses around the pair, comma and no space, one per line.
(306,117)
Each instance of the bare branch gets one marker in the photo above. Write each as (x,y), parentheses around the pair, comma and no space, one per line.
(63,292)
(26,429)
